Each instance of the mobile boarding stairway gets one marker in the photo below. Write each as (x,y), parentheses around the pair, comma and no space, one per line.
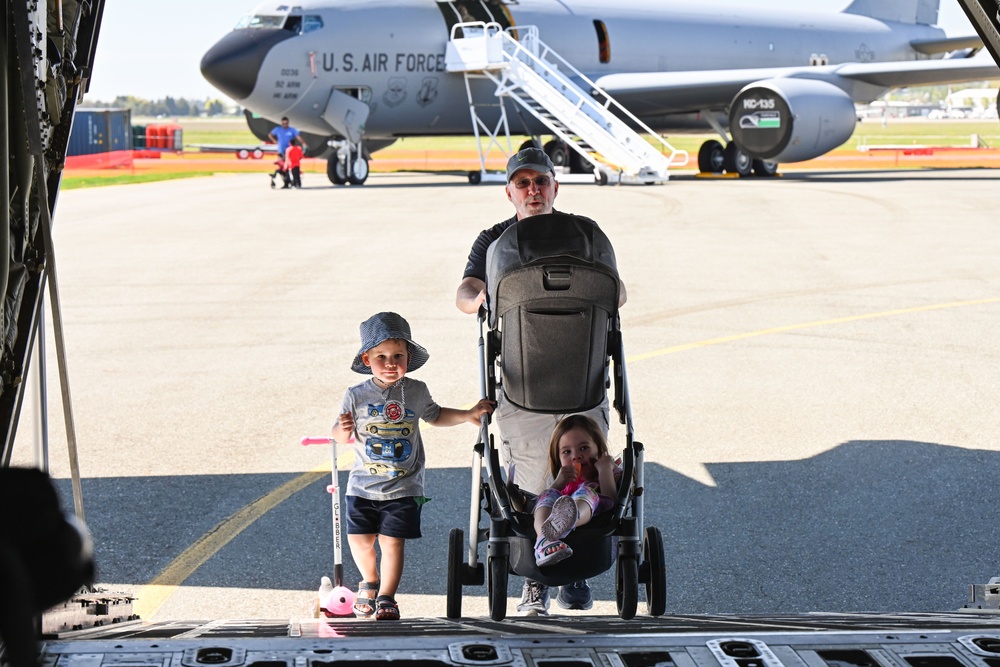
(541,82)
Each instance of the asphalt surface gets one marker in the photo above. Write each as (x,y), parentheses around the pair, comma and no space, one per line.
(813,364)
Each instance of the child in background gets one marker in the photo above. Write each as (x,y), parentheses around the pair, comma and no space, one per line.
(586,483)
(293,159)
(385,489)
(280,171)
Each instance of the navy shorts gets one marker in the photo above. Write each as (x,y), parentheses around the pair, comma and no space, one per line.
(392,518)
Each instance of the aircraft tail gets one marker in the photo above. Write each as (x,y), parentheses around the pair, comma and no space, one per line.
(924,12)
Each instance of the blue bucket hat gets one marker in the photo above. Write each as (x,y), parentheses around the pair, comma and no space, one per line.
(382,327)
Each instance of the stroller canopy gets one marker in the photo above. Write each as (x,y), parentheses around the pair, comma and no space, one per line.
(552,293)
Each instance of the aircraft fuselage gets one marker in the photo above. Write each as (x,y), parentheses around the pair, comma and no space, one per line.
(391,55)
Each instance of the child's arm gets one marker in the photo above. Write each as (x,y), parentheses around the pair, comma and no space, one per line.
(453,417)
(606,475)
(344,428)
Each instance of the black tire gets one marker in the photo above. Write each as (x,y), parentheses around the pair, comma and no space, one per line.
(710,157)
(627,586)
(736,160)
(764,169)
(335,170)
(475,177)
(359,170)
(578,164)
(496,587)
(654,571)
(558,152)
(530,143)
(601,178)
(456,544)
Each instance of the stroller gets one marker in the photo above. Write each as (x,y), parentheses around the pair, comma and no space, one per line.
(552,312)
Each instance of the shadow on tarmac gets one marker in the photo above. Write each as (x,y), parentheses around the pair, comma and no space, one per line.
(874,526)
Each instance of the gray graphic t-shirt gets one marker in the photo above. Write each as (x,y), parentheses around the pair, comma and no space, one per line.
(388,451)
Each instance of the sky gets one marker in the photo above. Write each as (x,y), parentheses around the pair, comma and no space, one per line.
(154,54)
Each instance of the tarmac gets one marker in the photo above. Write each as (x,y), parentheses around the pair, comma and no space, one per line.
(812,362)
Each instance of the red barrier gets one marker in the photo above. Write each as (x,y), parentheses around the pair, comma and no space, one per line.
(109,160)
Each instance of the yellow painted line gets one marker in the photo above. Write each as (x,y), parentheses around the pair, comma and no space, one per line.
(807,325)
(154,595)
(151,597)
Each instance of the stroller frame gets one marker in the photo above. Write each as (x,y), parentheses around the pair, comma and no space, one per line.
(616,537)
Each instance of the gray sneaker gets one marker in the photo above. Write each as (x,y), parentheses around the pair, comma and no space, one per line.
(575,596)
(534,599)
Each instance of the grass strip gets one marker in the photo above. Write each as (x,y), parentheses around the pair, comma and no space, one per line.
(90,181)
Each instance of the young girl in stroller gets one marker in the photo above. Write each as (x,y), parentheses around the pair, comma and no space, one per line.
(585,484)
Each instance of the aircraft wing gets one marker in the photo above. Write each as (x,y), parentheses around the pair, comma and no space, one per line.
(654,93)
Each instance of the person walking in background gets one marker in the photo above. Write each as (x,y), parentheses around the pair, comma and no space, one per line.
(283,134)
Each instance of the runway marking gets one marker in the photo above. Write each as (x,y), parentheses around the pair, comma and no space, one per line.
(806,325)
(152,596)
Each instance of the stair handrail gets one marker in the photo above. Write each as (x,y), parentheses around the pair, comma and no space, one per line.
(535,43)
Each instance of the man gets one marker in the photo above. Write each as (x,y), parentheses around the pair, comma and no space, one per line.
(532,189)
(283,135)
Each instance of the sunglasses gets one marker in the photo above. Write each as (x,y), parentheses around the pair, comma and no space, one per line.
(525,183)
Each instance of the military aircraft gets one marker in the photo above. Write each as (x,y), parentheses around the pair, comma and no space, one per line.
(776,86)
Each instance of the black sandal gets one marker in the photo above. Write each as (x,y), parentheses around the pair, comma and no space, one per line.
(388,610)
(365,602)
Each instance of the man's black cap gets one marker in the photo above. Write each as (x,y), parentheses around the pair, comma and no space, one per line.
(530,158)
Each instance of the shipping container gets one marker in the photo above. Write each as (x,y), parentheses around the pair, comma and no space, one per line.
(100,131)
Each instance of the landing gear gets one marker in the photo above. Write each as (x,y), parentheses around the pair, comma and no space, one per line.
(359,169)
(347,166)
(710,157)
(764,168)
(713,158)
(335,170)
(735,160)
(558,152)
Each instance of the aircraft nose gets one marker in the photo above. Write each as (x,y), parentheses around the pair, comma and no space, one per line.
(232,64)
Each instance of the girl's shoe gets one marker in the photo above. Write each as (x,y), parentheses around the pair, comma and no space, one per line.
(365,602)
(549,552)
(562,519)
(388,610)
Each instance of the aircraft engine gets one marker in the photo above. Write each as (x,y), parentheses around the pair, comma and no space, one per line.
(790,120)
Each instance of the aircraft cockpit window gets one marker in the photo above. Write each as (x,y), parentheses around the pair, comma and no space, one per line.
(259,21)
(293,24)
(310,23)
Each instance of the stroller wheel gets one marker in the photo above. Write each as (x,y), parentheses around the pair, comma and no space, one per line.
(627,586)
(654,572)
(497,586)
(456,540)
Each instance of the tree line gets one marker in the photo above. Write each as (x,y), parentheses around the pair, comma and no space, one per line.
(168,106)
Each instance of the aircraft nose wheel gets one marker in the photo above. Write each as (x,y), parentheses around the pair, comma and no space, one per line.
(351,169)
(359,169)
